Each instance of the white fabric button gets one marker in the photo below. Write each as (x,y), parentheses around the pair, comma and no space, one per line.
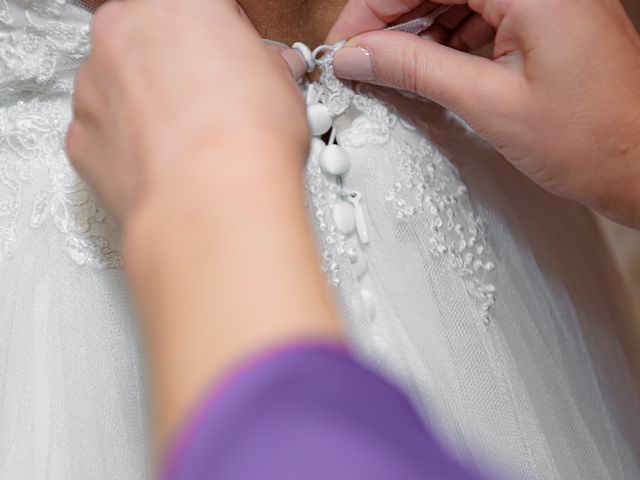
(320,120)
(317,146)
(360,264)
(335,160)
(369,303)
(344,217)
(359,261)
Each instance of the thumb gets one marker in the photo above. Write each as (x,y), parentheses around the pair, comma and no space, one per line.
(480,90)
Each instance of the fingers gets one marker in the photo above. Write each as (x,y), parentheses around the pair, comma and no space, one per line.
(360,16)
(454,17)
(472,34)
(76,146)
(291,60)
(461,27)
(471,86)
(436,33)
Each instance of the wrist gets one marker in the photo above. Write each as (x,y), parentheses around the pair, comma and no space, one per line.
(212,182)
(222,268)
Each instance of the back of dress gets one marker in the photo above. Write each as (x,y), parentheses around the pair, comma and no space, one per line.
(488,300)
(491,301)
(71,401)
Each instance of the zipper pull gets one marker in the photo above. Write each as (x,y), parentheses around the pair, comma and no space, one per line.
(358,211)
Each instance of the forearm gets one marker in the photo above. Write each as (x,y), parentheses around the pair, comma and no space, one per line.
(212,258)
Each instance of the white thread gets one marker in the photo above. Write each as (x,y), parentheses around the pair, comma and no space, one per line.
(325,49)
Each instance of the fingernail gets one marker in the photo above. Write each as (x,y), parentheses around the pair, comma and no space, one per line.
(296,63)
(354,63)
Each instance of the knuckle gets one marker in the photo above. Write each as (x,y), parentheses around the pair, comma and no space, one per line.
(459,41)
(422,83)
(105,26)
(101,22)
(83,82)
(408,71)
(82,78)
(73,141)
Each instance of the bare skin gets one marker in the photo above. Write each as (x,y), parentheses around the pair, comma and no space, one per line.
(254,230)
(312,20)
(552,123)
(167,162)
(184,310)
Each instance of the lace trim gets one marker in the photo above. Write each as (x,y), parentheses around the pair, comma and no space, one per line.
(37,46)
(41,44)
(426,185)
(32,150)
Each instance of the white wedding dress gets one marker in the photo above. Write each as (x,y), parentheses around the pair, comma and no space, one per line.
(490,302)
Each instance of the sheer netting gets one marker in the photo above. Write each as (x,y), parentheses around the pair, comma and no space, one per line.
(490,302)
(71,383)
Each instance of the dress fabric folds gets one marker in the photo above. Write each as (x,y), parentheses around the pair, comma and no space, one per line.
(491,303)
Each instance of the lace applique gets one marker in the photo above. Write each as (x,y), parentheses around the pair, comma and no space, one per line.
(95,251)
(430,186)
(364,131)
(41,44)
(36,46)
(426,185)
(32,150)
(5,16)
(334,94)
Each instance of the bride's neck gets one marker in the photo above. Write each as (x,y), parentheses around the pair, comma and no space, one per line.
(289,21)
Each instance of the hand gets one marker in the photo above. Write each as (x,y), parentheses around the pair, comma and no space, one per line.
(194,135)
(166,81)
(559,99)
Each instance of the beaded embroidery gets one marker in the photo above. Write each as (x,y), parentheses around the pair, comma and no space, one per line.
(426,185)
(38,54)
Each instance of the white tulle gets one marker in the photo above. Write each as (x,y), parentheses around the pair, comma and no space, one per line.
(491,302)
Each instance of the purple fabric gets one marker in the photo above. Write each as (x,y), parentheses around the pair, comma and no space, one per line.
(310,412)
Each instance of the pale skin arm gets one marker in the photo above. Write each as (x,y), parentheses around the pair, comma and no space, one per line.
(203,168)
(218,283)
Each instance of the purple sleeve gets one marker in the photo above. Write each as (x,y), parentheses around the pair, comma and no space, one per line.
(308,412)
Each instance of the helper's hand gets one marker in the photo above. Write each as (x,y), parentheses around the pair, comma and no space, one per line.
(194,134)
(560,99)
(166,81)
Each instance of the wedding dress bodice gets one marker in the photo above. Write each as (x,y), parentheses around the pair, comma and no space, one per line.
(490,302)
